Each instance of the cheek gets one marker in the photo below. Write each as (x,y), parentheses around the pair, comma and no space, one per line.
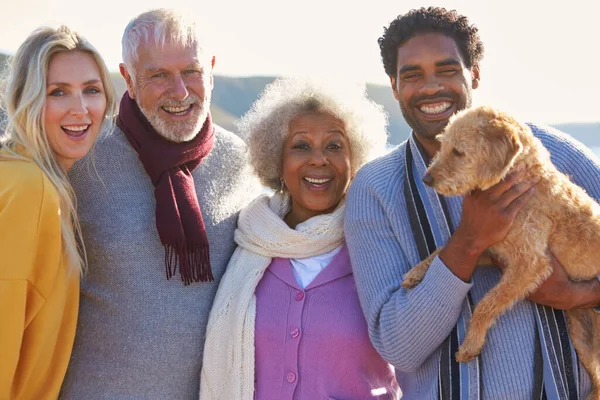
(97,108)
(198,88)
(54,112)
(148,94)
(290,167)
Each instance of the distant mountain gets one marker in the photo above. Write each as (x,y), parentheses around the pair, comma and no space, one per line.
(232,97)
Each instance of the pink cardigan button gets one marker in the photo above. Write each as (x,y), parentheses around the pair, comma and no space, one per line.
(295,333)
(299,296)
(291,377)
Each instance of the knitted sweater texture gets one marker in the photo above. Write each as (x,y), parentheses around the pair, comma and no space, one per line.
(408,327)
(139,335)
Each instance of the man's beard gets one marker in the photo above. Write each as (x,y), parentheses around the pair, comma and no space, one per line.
(181,131)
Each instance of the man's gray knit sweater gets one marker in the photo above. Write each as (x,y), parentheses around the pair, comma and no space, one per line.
(139,335)
(408,327)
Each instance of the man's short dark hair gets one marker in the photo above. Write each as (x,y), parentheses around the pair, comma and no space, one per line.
(430,20)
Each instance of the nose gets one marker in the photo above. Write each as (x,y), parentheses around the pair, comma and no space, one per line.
(179,89)
(79,105)
(318,158)
(431,85)
(428,179)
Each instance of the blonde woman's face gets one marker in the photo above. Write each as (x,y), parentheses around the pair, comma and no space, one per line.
(316,165)
(75,106)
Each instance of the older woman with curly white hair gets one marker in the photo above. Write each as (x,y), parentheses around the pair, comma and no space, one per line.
(286,322)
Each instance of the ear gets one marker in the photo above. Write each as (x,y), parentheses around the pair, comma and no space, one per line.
(504,146)
(128,80)
(212,69)
(475,74)
(394,88)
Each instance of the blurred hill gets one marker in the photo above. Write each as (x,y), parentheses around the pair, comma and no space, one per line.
(232,97)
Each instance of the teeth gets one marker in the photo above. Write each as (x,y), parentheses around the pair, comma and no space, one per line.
(176,110)
(435,109)
(76,128)
(317,181)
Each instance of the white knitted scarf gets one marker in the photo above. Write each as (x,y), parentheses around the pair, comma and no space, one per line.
(261,235)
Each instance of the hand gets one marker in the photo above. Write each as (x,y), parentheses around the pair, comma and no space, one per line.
(559,292)
(486,218)
(488,215)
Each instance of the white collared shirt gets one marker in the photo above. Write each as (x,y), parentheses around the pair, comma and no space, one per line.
(307,269)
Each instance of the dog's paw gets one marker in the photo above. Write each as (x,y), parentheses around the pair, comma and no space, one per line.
(466,354)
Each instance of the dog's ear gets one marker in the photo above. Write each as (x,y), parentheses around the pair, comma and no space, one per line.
(504,145)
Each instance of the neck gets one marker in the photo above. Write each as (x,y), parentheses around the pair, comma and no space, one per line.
(65,165)
(431,146)
(295,216)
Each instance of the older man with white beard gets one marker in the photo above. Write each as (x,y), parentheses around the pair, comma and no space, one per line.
(158,202)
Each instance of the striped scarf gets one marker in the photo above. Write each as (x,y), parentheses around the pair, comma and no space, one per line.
(430,223)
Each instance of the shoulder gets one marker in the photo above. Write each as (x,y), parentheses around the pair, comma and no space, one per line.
(228,139)
(572,158)
(382,175)
(566,152)
(25,185)
(228,153)
(558,142)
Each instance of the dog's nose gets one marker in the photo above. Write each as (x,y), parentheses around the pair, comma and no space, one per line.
(428,179)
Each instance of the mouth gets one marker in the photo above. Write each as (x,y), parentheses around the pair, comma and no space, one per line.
(316,183)
(76,132)
(178,111)
(436,111)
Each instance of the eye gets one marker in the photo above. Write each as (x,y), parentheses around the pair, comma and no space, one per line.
(334,146)
(159,75)
(57,93)
(447,72)
(457,153)
(300,146)
(191,72)
(413,76)
(92,90)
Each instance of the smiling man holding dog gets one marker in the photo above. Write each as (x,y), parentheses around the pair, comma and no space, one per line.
(393,221)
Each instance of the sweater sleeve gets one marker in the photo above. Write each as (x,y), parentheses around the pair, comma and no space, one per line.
(405,326)
(24,212)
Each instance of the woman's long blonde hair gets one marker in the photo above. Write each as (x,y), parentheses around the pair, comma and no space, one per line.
(24,99)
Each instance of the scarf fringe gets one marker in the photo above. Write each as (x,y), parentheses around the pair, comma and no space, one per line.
(193,263)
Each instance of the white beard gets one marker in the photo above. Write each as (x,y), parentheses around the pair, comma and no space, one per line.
(183,131)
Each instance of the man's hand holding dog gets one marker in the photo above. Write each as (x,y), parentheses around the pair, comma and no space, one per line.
(486,218)
(559,292)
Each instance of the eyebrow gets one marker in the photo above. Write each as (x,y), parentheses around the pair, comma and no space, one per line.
(152,68)
(334,130)
(408,68)
(443,63)
(447,62)
(88,82)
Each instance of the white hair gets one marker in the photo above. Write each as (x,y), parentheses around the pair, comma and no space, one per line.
(266,126)
(158,27)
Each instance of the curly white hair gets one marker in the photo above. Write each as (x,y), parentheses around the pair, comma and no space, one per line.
(265,125)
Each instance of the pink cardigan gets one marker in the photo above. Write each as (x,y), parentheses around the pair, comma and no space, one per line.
(313,344)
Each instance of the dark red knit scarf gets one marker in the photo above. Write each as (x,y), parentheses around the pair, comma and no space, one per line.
(169,165)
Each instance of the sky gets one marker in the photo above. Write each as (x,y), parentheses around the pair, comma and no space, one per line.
(541,63)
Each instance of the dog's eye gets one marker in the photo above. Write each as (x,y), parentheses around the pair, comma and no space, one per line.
(457,153)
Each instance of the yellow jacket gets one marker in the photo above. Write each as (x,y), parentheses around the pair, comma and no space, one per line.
(39,293)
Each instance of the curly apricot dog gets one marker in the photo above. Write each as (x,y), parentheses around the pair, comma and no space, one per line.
(480,147)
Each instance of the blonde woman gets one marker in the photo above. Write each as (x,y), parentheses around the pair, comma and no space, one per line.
(286,322)
(58,94)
